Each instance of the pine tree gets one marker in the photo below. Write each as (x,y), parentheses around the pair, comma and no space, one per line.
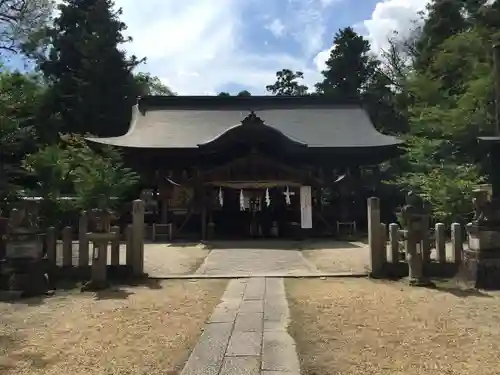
(349,67)
(445,19)
(288,83)
(93,87)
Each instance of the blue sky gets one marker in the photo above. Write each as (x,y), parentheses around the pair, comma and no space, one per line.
(207,46)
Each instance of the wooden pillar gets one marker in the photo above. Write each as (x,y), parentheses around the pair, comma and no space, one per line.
(204,213)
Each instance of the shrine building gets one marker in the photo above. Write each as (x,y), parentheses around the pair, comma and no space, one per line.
(256,166)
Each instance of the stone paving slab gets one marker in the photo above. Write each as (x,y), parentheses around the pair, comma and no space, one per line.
(297,275)
(255,261)
(247,333)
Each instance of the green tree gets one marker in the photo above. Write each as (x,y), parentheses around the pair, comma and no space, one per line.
(72,167)
(19,99)
(288,83)
(22,24)
(350,66)
(244,93)
(92,85)
(151,85)
(442,158)
(445,19)
(223,93)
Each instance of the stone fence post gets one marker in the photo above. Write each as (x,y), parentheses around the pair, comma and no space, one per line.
(440,236)
(457,243)
(138,237)
(67,247)
(394,242)
(83,241)
(374,238)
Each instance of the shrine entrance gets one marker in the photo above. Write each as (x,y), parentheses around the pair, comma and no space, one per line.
(256,210)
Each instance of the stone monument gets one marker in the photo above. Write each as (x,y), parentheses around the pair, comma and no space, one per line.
(481,260)
(415,234)
(23,270)
(100,236)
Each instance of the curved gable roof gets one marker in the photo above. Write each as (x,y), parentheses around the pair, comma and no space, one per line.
(187,122)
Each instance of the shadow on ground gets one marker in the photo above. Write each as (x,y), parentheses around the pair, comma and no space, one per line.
(462,291)
(9,344)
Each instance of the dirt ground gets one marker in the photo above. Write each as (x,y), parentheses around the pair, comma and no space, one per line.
(338,256)
(359,326)
(132,330)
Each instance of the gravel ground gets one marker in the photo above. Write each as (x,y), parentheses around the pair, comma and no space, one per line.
(133,330)
(358,326)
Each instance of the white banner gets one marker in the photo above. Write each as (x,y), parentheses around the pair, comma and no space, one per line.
(305,207)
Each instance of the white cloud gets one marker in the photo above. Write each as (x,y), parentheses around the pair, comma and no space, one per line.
(387,17)
(196,47)
(277,28)
(392,15)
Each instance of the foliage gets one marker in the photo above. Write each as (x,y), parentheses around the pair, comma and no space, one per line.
(22,23)
(19,97)
(151,85)
(447,186)
(241,93)
(288,84)
(99,174)
(51,168)
(92,87)
(433,88)
(73,166)
(244,93)
(350,66)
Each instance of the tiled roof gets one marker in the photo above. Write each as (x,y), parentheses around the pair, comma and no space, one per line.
(186,122)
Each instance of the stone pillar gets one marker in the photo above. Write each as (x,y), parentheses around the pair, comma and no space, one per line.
(425,246)
(51,241)
(376,256)
(440,243)
(138,237)
(306,208)
(383,242)
(115,246)
(83,241)
(67,247)
(394,242)
(456,243)
(129,246)
(99,264)
(413,258)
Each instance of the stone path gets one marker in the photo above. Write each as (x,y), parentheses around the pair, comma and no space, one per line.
(247,333)
(250,262)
